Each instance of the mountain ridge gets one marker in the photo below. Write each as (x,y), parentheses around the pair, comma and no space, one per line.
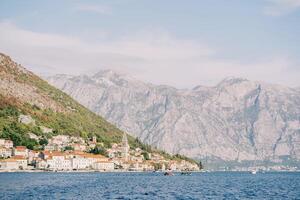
(32,111)
(232,121)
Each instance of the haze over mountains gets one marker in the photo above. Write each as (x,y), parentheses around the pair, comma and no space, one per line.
(235,121)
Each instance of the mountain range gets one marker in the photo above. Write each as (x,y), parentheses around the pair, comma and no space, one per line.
(30,106)
(236,121)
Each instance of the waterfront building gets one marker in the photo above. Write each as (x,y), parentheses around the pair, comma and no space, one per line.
(80,163)
(41,164)
(57,161)
(20,151)
(13,163)
(5,152)
(104,165)
(69,160)
(32,156)
(81,160)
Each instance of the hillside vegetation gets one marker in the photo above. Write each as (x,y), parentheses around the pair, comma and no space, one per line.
(23,93)
(51,108)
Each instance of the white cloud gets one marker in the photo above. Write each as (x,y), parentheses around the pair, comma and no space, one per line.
(281,7)
(153,56)
(100,9)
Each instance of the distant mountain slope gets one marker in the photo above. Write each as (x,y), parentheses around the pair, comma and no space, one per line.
(24,94)
(237,120)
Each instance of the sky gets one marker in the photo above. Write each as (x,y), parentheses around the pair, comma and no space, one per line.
(172,42)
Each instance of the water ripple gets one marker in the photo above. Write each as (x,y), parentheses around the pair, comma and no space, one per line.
(217,185)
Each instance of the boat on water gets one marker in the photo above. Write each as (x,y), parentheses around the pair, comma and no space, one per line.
(253,172)
(168,174)
(186,173)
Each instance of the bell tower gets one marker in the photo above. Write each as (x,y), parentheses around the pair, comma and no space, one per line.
(125,147)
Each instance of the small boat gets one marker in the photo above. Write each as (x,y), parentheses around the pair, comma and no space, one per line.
(186,173)
(168,174)
(253,172)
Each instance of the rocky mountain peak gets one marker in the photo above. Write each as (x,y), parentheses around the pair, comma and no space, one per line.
(229,81)
(110,74)
(237,120)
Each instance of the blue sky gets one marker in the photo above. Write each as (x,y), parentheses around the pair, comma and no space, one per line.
(180,43)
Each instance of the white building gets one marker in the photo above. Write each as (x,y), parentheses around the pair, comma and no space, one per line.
(57,161)
(6,143)
(32,156)
(104,166)
(71,160)
(20,151)
(80,163)
(41,164)
(14,163)
(82,160)
(5,152)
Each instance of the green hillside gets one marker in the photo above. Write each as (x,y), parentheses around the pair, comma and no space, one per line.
(23,93)
(73,119)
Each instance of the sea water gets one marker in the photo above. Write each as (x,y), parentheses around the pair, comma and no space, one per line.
(214,185)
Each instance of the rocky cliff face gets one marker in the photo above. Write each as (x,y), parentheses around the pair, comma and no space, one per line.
(237,120)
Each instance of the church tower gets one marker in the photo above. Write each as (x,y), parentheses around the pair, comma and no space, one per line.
(125,147)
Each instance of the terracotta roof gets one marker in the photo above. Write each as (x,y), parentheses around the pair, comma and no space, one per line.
(14,159)
(88,155)
(104,162)
(20,148)
(54,153)
(57,153)
(19,157)
(78,152)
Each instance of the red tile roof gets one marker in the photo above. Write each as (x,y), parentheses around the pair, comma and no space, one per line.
(20,148)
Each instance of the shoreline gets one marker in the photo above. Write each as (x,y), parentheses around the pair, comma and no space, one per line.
(95,171)
(85,171)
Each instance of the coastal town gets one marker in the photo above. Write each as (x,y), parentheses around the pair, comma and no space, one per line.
(73,153)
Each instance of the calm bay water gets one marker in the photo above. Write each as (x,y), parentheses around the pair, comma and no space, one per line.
(217,185)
